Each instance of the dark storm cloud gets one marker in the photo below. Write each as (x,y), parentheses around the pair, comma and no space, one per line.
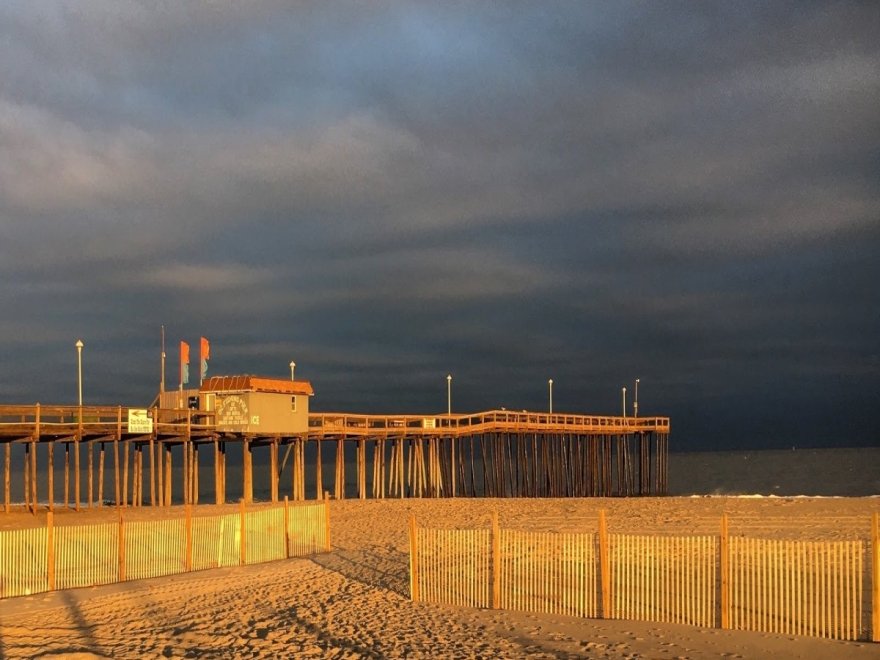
(509,192)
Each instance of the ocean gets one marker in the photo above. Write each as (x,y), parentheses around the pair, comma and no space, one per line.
(842,472)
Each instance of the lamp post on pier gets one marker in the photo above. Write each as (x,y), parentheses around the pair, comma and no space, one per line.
(449,395)
(292,367)
(623,396)
(79,371)
(636,400)
(550,386)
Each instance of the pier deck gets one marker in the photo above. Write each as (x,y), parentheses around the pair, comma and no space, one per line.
(496,453)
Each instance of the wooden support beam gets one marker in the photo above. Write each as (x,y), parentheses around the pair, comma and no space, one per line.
(195,478)
(27,476)
(125,499)
(7,471)
(168,478)
(90,460)
(339,485)
(319,477)
(219,491)
(273,470)
(50,460)
(152,449)
(186,475)
(34,476)
(37,419)
(101,475)
(116,481)
(76,469)
(452,442)
(160,472)
(66,474)
(362,468)
(136,474)
(247,472)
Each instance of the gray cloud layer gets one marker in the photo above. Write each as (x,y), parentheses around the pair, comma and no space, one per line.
(390,192)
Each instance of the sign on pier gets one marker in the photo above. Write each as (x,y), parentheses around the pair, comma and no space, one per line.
(139,421)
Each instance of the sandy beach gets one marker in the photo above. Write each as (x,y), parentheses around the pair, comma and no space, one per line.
(354,601)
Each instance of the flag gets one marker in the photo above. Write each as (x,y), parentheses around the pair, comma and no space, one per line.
(204,356)
(184,363)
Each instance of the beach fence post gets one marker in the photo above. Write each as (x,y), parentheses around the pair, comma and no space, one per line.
(413,560)
(242,533)
(327,520)
(724,564)
(604,566)
(286,528)
(875,577)
(121,551)
(50,550)
(188,548)
(496,562)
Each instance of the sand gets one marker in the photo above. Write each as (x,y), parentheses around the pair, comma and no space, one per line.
(353,602)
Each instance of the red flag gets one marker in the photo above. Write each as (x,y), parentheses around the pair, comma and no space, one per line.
(184,363)
(204,356)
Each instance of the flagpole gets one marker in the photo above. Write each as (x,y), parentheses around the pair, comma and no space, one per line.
(162,382)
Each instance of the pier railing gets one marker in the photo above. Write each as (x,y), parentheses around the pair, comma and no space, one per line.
(94,420)
(97,420)
(54,557)
(813,588)
(482,422)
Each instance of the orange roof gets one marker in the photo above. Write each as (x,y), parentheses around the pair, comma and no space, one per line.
(247,383)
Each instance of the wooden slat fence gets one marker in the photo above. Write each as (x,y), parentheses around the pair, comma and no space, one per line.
(453,566)
(308,530)
(23,561)
(797,587)
(814,588)
(265,535)
(220,541)
(86,555)
(548,572)
(154,548)
(61,557)
(668,579)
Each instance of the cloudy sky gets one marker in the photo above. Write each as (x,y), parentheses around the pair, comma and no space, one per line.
(389,192)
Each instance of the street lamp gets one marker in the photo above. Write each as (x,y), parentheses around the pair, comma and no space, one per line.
(636,401)
(79,370)
(550,385)
(623,394)
(292,367)
(449,394)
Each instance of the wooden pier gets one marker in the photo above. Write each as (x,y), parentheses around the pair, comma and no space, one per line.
(496,453)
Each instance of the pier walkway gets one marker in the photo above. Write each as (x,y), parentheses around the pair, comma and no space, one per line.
(496,453)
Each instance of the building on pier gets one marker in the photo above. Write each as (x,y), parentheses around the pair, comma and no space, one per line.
(257,405)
